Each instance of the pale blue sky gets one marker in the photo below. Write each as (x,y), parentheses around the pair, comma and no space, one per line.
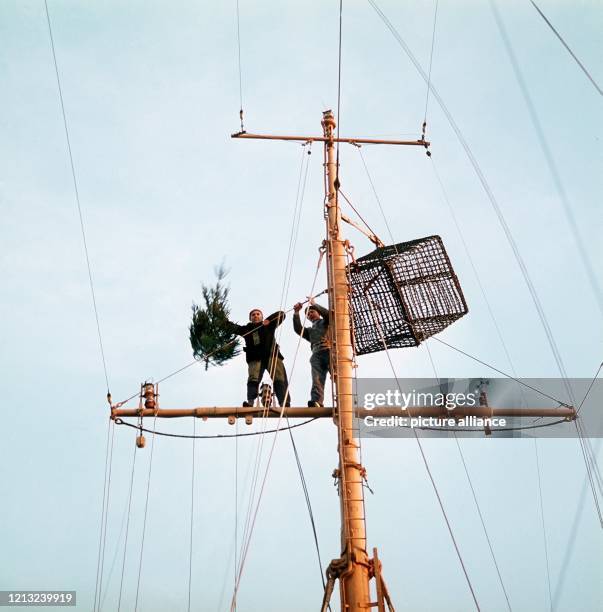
(151,96)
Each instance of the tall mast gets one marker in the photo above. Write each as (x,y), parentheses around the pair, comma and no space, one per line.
(354,568)
(354,579)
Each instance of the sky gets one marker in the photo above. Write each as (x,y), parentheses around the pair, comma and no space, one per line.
(151,94)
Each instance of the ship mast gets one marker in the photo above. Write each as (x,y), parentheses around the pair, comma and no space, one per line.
(353,568)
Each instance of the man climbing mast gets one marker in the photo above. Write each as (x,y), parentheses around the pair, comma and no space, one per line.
(318,337)
(262,353)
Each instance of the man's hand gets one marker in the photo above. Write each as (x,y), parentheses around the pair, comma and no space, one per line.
(311,300)
(265,322)
(297,307)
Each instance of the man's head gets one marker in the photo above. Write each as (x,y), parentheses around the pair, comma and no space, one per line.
(312,313)
(256,315)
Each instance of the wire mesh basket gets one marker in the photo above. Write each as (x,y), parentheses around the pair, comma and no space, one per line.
(403,294)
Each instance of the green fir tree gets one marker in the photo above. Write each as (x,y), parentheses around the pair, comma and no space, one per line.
(211,336)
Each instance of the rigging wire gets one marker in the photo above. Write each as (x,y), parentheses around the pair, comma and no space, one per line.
(550,161)
(104,510)
(488,365)
(236,506)
(426,464)
(571,540)
(586,72)
(590,387)
(247,537)
(106,515)
(144,521)
(544,538)
(308,504)
(474,494)
(190,548)
(339,90)
(297,210)
(493,201)
(240,69)
(473,267)
(368,227)
(77,199)
(122,526)
(435,19)
(273,359)
(290,259)
(483,522)
(389,231)
(120,421)
(123,563)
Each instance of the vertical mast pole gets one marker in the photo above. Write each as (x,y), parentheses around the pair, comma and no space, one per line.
(354,580)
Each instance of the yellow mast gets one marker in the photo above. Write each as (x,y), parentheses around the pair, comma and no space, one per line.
(354,579)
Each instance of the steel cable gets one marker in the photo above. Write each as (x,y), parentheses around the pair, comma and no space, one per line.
(586,72)
(123,563)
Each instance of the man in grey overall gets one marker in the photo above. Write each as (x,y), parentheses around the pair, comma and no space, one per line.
(318,337)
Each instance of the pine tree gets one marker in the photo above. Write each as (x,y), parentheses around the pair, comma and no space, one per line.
(212,339)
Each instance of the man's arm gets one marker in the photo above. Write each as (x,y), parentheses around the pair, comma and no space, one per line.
(235,328)
(276,318)
(298,328)
(324,312)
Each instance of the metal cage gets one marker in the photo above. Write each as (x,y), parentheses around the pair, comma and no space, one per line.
(403,294)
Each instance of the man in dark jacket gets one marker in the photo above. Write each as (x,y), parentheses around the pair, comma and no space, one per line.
(262,353)
(318,337)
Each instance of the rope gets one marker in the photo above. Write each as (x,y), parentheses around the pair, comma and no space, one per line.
(144,522)
(123,563)
(586,72)
(550,161)
(77,198)
(190,549)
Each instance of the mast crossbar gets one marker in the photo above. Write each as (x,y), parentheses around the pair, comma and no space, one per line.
(217,412)
(354,141)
